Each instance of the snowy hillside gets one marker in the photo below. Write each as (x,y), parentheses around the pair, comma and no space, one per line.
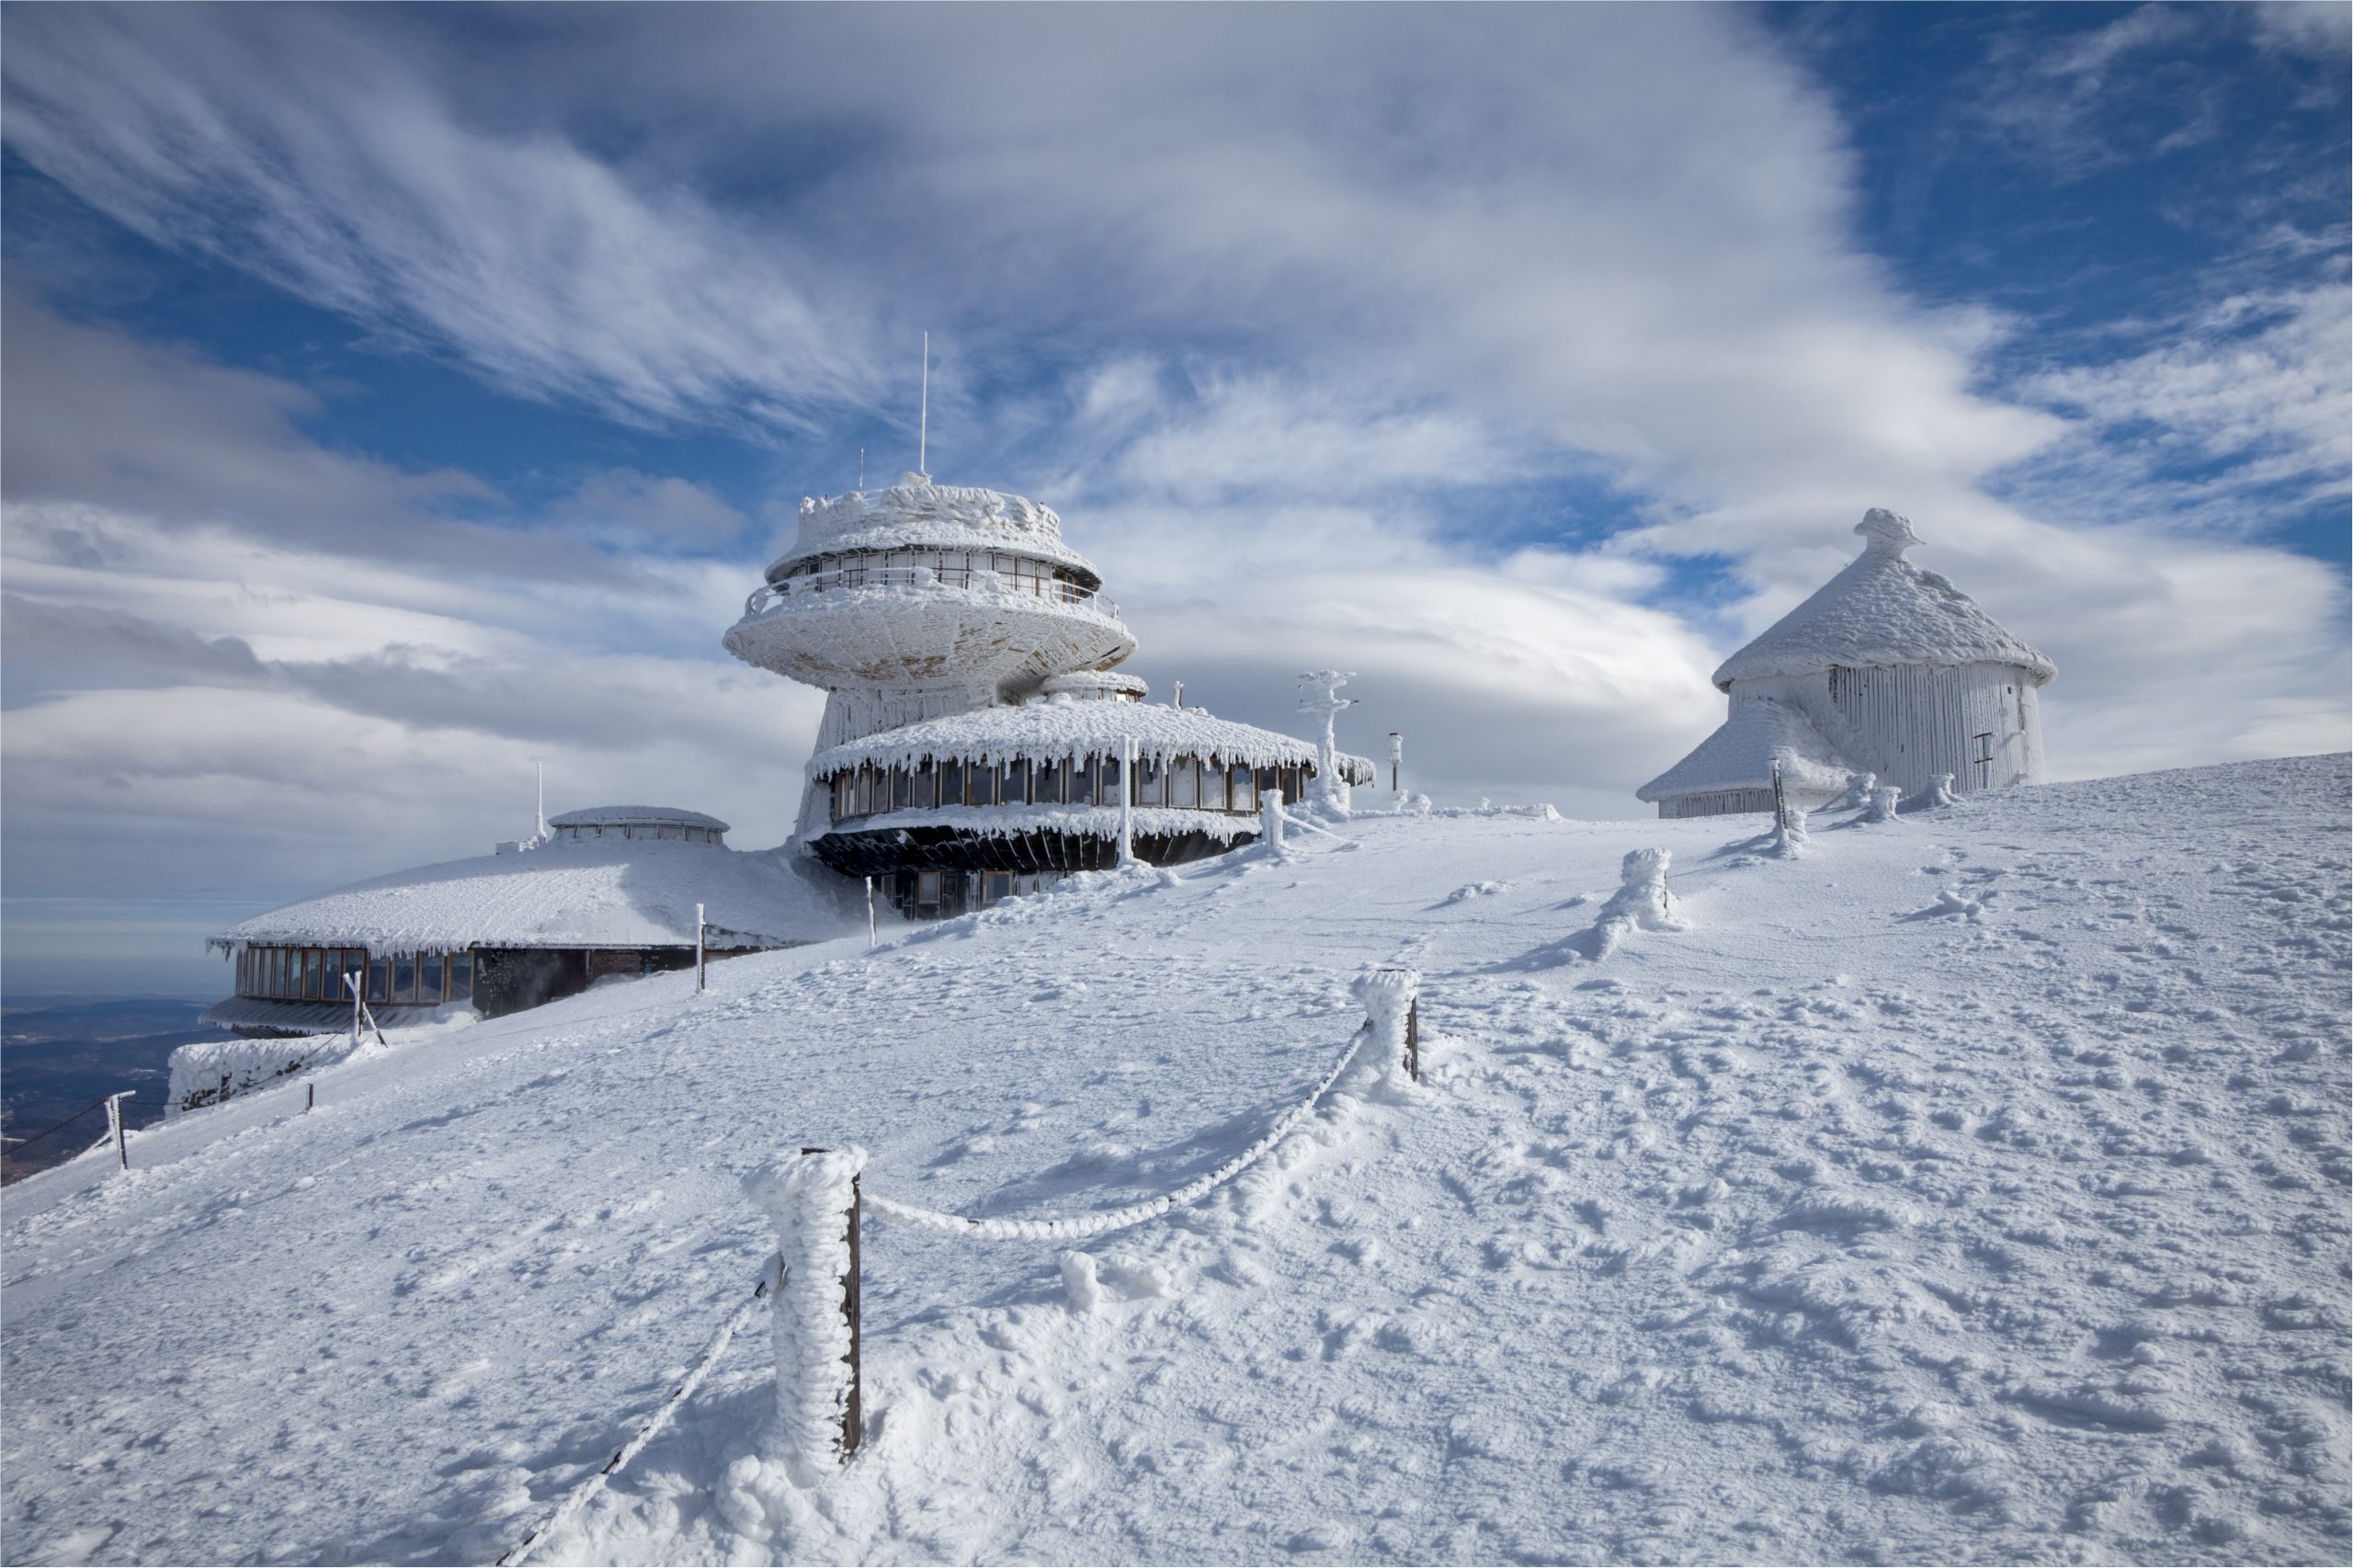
(1970,1186)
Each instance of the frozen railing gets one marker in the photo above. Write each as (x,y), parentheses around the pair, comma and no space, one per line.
(978,580)
(810,1282)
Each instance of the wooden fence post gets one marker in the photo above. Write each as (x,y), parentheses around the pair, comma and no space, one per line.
(114,1127)
(812,1200)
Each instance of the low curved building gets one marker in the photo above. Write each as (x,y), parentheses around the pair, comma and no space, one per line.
(608,891)
(1886,669)
(954,814)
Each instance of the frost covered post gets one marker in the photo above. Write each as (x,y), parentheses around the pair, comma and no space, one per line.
(114,1127)
(1642,900)
(1127,800)
(1781,801)
(1859,792)
(1938,792)
(702,967)
(1324,697)
(1270,822)
(873,937)
(1397,764)
(812,1200)
(1393,1010)
(351,983)
(1882,806)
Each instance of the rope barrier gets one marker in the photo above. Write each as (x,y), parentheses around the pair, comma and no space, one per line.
(16,1143)
(1115,1219)
(585,1492)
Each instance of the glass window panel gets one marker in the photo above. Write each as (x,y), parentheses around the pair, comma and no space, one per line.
(429,977)
(844,795)
(311,968)
(926,788)
(1013,784)
(1183,782)
(1050,782)
(1082,782)
(1150,780)
(980,783)
(461,976)
(1213,786)
(1246,789)
(379,971)
(903,788)
(1111,789)
(951,783)
(404,979)
(1290,782)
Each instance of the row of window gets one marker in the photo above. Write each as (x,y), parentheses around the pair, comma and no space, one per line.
(668,830)
(1187,783)
(315,974)
(952,568)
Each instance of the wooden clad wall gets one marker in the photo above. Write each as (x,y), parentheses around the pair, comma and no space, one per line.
(1909,723)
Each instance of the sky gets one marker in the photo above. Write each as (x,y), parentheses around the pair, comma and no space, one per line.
(396,399)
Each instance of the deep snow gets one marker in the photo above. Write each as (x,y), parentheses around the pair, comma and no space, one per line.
(1972,1186)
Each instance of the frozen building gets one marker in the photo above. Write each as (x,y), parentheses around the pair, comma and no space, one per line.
(1887,669)
(976,739)
(610,891)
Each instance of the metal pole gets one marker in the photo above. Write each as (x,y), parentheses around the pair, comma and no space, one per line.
(114,1127)
(1396,758)
(1127,799)
(352,981)
(1780,803)
(310,1100)
(871,938)
(702,957)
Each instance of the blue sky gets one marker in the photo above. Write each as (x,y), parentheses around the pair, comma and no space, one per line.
(396,396)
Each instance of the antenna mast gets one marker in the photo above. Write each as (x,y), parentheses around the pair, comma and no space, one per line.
(923,419)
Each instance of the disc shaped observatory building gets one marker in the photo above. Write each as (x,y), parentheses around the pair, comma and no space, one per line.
(978,740)
(1888,670)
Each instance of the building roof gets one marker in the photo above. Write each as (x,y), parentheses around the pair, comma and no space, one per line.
(598,893)
(918,513)
(637,816)
(1882,610)
(1060,727)
(1739,755)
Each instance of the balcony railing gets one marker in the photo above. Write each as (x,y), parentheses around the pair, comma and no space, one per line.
(975,579)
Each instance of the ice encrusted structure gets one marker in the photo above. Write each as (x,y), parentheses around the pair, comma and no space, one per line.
(1789,833)
(1886,668)
(1938,792)
(1642,900)
(1883,803)
(807,1199)
(1859,792)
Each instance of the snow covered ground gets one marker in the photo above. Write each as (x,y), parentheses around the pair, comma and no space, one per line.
(1971,1186)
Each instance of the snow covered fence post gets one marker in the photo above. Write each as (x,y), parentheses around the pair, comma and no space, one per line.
(1270,822)
(1392,1011)
(1937,793)
(1859,792)
(1882,806)
(872,939)
(1642,900)
(1781,801)
(114,1127)
(352,982)
(702,954)
(812,1200)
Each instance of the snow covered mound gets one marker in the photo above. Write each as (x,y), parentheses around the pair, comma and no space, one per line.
(1972,1187)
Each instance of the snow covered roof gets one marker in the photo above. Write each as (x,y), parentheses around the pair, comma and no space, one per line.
(941,516)
(1096,684)
(1060,727)
(1739,755)
(637,816)
(1882,610)
(596,893)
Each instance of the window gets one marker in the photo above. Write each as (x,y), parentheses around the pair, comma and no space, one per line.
(926,889)
(1245,791)
(404,977)
(1183,782)
(951,783)
(869,790)
(994,886)
(1113,790)
(1082,782)
(429,978)
(378,973)
(1291,782)
(926,788)
(1213,786)
(1149,782)
(311,972)
(903,789)
(844,795)
(980,783)
(1051,774)
(1013,787)
(1268,778)
(461,976)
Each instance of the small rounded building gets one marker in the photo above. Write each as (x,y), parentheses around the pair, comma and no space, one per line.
(1886,669)
(606,892)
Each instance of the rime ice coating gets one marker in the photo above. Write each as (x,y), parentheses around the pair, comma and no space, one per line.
(1882,610)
